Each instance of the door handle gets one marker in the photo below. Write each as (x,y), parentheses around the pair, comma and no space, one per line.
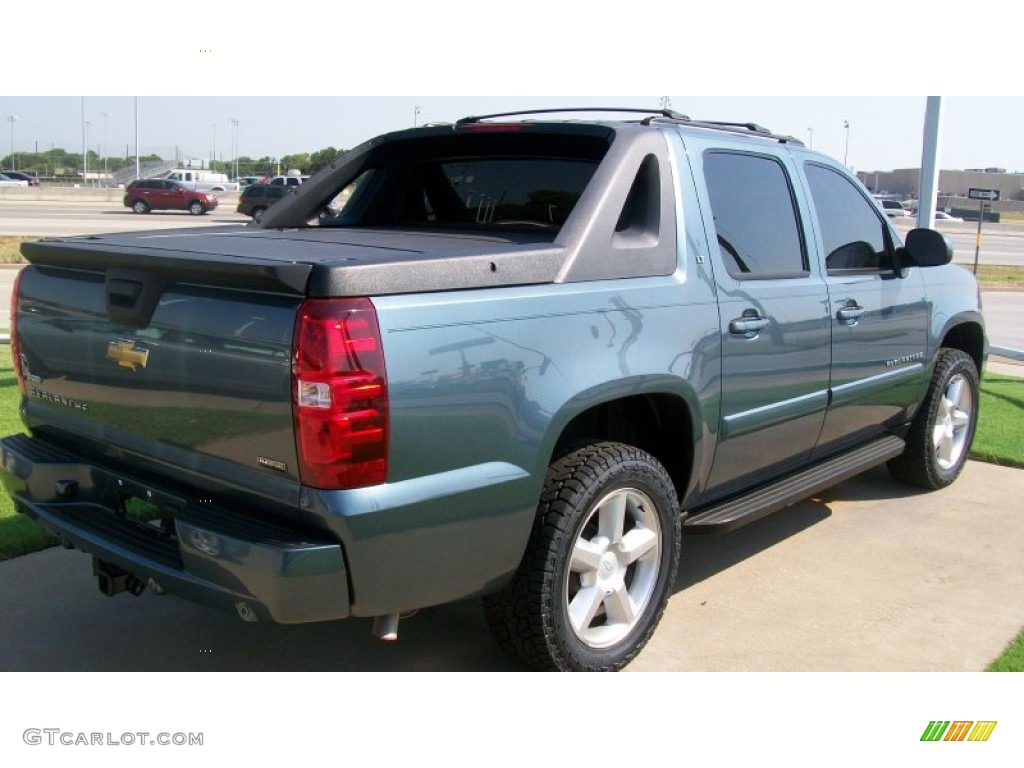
(748,326)
(849,313)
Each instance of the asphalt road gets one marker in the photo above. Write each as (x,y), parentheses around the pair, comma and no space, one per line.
(868,576)
(48,218)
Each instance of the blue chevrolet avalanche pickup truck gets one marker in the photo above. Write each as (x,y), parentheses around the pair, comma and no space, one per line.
(503,357)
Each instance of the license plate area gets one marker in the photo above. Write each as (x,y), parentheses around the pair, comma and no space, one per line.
(152,508)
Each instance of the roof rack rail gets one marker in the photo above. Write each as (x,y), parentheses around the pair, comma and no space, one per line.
(672,115)
(749,126)
(759,130)
(652,115)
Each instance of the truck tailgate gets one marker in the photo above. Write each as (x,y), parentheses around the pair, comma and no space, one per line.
(196,377)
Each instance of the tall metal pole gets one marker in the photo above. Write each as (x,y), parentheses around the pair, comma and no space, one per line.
(810,138)
(234,149)
(213,159)
(12,119)
(85,158)
(415,116)
(137,169)
(104,148)
(85,154)
(929,187)
(846,151)
(977,240)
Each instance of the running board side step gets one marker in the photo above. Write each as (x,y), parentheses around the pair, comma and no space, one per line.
(756,504)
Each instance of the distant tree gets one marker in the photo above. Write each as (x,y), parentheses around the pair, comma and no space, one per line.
(298,161)
(322,158)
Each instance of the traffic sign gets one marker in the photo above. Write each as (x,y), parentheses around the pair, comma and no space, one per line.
(983,194)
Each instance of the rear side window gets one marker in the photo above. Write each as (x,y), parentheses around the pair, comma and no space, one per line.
(759,235)
(854,236)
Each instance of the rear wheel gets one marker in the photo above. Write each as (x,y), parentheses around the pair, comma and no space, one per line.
(940,436)
(140,206)
(196,208)
(257,213)
(601,560)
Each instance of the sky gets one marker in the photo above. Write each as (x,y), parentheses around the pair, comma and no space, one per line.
(310,75)
(885,132)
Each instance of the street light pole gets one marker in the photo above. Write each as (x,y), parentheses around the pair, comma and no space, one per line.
(810,138)
(234,150)
(415,116)
(137,168)
(85,157)
(85,153)
(104,148)
(213,160)
(12,119)
(846,151)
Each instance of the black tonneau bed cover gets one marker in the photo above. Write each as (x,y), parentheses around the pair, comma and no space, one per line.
(314,262)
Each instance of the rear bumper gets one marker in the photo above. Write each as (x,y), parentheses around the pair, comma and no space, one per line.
(207,554)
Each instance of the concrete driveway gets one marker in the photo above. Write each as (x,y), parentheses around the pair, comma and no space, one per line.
(869,576)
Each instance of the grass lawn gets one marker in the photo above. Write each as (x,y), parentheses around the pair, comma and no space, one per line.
(1000,436)
(18,534)
(10,248)
(994,278)
(1012,659)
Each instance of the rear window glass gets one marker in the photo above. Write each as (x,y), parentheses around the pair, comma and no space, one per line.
(517,192)
(498,181)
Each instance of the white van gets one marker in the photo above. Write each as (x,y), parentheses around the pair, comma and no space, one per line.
(200,180)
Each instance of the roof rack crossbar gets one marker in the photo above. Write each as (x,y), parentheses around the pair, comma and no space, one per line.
(661,112)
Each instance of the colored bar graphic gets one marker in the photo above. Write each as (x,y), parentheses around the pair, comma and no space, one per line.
(935,730)
(982,730)
(960,730)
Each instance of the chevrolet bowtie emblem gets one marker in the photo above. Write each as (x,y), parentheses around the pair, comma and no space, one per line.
(127,355)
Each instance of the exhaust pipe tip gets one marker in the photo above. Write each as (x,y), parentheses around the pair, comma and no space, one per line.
(386,627)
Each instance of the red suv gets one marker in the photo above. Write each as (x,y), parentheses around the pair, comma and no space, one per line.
(21,176)
(147,195)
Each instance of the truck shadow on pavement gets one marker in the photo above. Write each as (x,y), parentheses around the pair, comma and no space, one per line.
(56,619)
(706,555)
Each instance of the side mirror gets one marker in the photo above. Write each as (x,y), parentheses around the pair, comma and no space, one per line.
(926,248)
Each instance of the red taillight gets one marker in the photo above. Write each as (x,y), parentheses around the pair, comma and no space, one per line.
(15,345)
(340,394)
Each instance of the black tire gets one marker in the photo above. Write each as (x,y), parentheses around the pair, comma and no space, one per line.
(257,213)
(940,436)
(196,208)
(614,509)
(140,206)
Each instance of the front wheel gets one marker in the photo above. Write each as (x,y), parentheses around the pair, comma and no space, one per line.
(196,208)
(599,565)
(140,206)
(940,436)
